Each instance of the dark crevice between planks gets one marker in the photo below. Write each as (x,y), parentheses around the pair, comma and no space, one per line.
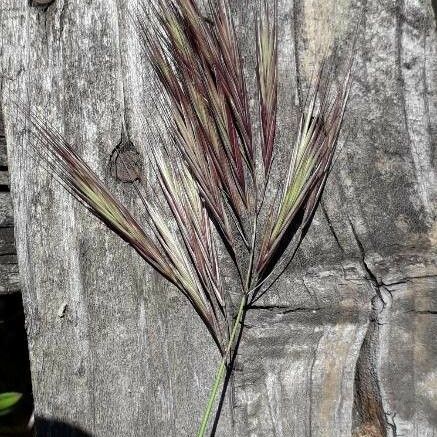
(14,366)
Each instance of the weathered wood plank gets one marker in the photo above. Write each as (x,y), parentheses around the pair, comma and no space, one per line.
(377,211)
(314,360)
(120,323)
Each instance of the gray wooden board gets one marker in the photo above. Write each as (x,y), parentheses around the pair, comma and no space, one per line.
(342,344)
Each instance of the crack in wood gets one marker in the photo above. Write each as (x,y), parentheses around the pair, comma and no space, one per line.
(368,412)
(285,309)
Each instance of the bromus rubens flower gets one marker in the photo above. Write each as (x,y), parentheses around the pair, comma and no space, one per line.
(214,167)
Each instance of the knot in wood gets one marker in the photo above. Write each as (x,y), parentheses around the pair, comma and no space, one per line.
(125,162)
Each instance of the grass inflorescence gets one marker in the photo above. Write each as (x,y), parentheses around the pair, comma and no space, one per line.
(213,170)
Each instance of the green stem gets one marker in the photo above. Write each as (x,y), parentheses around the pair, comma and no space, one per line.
(221,370)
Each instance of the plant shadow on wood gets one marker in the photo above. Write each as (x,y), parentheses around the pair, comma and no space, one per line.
(54,428)
(434,6)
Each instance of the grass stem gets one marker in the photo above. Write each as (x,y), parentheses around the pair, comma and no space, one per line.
(221,370)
